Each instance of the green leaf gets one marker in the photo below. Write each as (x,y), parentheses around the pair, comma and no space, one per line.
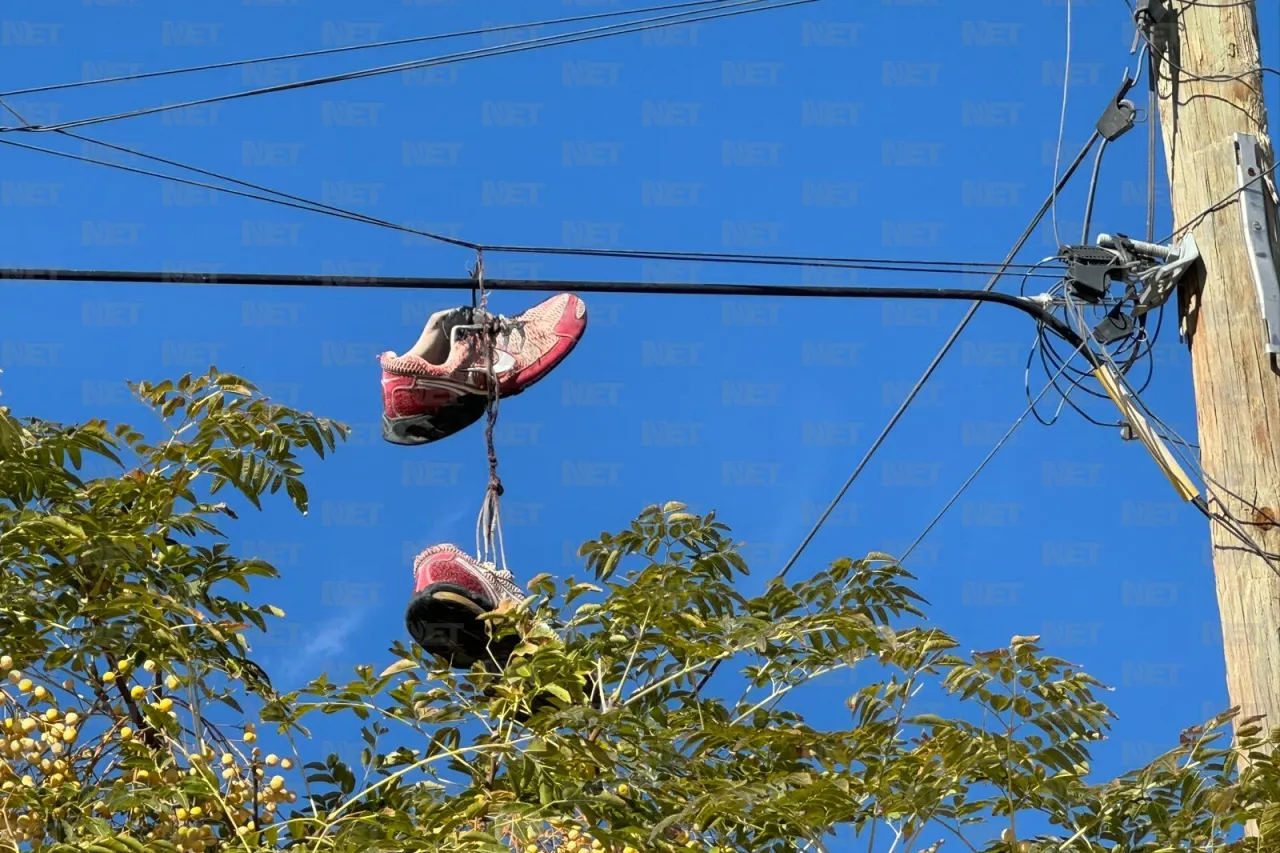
(399,666)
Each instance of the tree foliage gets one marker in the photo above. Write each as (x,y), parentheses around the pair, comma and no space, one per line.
(133,706)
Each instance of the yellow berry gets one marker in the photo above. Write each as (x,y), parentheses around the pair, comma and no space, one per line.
(165,704)
(286,764)
(171,682)
(27,724)
(124,666)
(272,760)
(72,717)
(277,782)
(228,758)
(531,848)
(126,733)
(6,662)
(149,665)
(15,676)
(623,790)
(108,677)
(138,691)
(196,811)
(25,685)
(51,714)
(250,737)
(69,734)
(40,692)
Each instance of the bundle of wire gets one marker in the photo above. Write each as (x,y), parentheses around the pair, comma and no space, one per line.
(1133,350)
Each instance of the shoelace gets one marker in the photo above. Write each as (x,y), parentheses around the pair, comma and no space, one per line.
(505,576)
(506,325)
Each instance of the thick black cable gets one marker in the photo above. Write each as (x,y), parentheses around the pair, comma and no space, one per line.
(933,366)
(308,54)
(1030,307)
(481,53)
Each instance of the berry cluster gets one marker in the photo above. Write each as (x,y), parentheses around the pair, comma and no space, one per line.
(150,786)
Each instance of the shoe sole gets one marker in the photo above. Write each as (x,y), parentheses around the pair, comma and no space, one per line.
(442,620)
(417,430)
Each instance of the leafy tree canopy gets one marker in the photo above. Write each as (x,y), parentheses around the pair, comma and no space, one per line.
(133,706)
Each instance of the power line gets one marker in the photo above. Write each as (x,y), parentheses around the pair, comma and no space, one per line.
(501,50)
(1221,203)
(1026,305)
(135,170)
(983,464)
(933,366)
(308,54)
(1062,127)
(785,260)
(302,203)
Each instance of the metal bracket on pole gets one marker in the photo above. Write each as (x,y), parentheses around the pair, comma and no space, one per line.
(1257,237)
(1159,281)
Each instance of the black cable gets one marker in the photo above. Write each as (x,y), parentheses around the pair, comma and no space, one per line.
(783,260)
(501,50)
(1066,395)
(135,170)
(1029,307)
(933,366)
(1218,205)
(1225,519)
(347,48)
(871,264)
(1093,191)
(1153,109)
(983,464)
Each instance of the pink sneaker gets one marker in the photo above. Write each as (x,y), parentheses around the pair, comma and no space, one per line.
(425,402)
(450,589)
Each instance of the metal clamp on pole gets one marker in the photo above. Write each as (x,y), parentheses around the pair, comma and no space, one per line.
(1257,236)
(1159,281)
(1118,118)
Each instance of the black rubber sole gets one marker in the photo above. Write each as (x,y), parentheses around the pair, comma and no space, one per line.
(447,627)
(424,429)
(442,620)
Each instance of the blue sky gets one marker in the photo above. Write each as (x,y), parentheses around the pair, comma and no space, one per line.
(898,129)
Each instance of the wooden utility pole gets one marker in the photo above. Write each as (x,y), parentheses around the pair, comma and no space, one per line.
(1236,385)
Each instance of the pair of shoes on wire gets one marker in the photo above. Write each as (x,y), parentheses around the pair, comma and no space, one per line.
(441,385)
